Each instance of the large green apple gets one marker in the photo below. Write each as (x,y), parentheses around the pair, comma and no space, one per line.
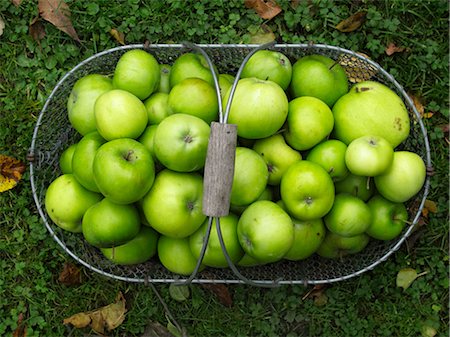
(107,224)
(403,179)
(120,114)
(307,190)
(318,76)
(259,108)
(358,186)
(190,65)
(157,107)
(278,156)
(173,206)
(336,246)
(181,142)
(137,72)
(66,201)
(214,256)
(269,65)
(309,122)
(330,154)
(308,236)
(123,170)
(371,108)
(265,231)
(250,177)
(65,160)
(80,105)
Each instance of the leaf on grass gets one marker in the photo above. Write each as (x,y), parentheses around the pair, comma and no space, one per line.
(21,330)
(263,35)
(352,23)
(2,26)
(108,317)
(221,292)
(429,207)
(428,331)
(179,293)
(11,171)
(317,294)
(155,329)
(57,12)
(37,29)
(266,9)
(392,48)
(16,2)
(118,36)
(406,277)
(70,275)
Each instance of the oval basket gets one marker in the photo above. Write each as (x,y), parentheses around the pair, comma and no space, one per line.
(53,133)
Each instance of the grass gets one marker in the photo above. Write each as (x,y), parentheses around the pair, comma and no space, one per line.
(368,305)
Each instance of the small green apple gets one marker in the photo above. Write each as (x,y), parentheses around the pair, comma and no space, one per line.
(330,154)
(358,186)
(308,236)
(65,160)
(336,246)
(157,107)
(190,65)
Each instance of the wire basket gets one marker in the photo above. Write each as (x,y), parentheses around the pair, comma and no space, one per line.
(53,133)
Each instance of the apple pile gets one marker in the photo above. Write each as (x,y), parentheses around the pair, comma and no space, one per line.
(317,168)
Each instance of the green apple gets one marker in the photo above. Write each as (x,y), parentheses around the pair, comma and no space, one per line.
(330,154)
(403,179)
(307,190)
(250,177)
(190,65)
(123,170)
(83,159)
(388,218)
(269,65)
(371,108)
(259,108)
(369,156)
(214,256)
(120,114)
(267,194)
(66,201)
(137,72)
(157,107)
(148,140)
(173,206)
(107,224)
(176,256)
(164,80)
(181,142)
(349,216)
(80,105)
(309,122)
(225,82)
(277,155)
(308,236)
(318,76)
(65,160)
(196,97)
(358,186)
(248,261)
(138,250)
(265,231)
(336,246)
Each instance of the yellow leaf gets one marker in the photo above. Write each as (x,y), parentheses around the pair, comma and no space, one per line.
(118,36)
(352,23)
(429,206)
(80,320)
(407,276)
(11,171)
(263,35)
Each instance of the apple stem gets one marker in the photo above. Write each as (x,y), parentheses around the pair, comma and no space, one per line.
(368,183)
(127,156)
(188,138)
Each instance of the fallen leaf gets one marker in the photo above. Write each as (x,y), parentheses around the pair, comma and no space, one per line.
(221,292)
(179,293)
(417,104)
(118,36)
(37,30)
(317,294)
(57,12)
(266,9)
(428,331)
(392,48)
(2,26)
(155,329)
(406,277)
(429,207)
(70,275)
(294,3)
(21,330)
(11,171)
(357,70)
(16,2)
(263,35)
(352,23)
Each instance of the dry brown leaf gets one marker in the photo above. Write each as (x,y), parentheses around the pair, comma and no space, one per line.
(57,12)
(37,30)
(21,330)
(263,35)
(266,9)
(70,275)
(429,207)
(16,2)
(222,293)
(11,171)
(317,294)
(392,48)
(118,36)
(352,23)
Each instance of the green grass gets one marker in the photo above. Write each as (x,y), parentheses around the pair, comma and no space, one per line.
(369,305)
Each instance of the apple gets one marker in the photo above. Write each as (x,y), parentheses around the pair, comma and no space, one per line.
(157,107)
(336,246)
(181,142)
(265,231)
(214,256)
(123,170)
(138,250)
(330,154)
(164,80)
(403,179)
(277,155)
(65,160)
(318,76)
(173,206)
(248,261)
(148,140)
(267,194)
(269,65)
(369,156)
(250,177)
(358,186)
(120,114)
(225,82)
(83,159)
(190,65)
(107,224)
(371,108)
(349,216)
(196,97)
(388,218)
(80,104)
(307,190)
(137,72)
(176,256)
(308,236)
(259,108)
(66,201)
(309,122)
